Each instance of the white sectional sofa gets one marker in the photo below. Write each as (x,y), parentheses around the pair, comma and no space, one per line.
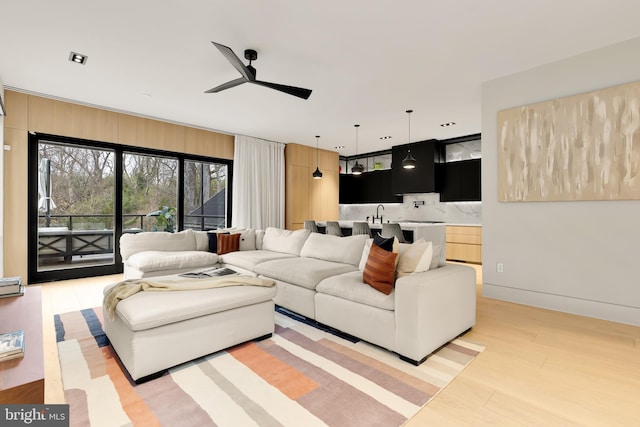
(321,277)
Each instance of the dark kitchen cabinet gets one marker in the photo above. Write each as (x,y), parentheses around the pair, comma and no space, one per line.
(350,188)
(422,179)
(460,181)
(370,187)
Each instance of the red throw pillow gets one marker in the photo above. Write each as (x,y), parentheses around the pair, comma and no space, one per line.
(380,270)
(228,243)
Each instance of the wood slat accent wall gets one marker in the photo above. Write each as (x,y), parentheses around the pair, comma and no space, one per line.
(305,197)
(38,114)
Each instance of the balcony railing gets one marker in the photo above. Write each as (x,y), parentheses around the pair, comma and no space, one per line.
(79,238)
(92,221)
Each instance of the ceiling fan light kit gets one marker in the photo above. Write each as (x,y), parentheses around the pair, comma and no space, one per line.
(248,73)
(317,174)
(409,162)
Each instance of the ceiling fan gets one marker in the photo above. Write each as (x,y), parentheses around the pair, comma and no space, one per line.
(249,74)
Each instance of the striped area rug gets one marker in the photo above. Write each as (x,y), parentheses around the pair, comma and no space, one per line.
(302,376)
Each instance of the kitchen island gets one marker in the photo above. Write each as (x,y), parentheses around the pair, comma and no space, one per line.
(412,231)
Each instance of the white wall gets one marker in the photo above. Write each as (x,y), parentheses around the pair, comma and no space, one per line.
(577,257)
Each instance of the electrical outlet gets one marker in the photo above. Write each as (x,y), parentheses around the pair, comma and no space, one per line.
(499,267)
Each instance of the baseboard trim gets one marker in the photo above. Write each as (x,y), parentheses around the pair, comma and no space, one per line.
(582,307)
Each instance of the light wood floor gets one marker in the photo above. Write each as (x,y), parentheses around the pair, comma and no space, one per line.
(540,367)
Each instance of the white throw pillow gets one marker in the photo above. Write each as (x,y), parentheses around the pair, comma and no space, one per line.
(347,250)
(202,240)
(365,254)
(415,258)
(259,239)
(284,241)
(248,240)
(437,253)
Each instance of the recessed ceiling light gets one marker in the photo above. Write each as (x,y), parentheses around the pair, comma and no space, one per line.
(78,58)
(444,125)
(385,137)
(339,147)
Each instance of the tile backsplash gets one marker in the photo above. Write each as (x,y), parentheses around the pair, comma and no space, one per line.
(431,210)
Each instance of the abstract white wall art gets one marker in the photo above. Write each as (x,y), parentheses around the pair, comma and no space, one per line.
(581,147)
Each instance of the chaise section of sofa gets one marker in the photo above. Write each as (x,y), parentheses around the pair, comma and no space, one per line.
(432,308)
(150,254)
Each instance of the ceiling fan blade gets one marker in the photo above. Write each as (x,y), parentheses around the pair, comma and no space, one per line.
(235,61)
(291,90)
(227,85)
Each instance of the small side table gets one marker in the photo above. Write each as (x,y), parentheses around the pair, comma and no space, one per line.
(22,379)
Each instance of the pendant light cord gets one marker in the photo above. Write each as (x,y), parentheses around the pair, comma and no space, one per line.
(356,126)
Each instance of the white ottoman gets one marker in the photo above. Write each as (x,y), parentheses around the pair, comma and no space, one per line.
(153,331)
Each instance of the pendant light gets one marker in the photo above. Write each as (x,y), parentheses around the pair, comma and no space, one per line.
(409,162)
(357,169)
(317,174)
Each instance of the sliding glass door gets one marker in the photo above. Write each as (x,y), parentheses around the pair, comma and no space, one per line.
(149,193)
(205,195)
(83,195)
(75,207)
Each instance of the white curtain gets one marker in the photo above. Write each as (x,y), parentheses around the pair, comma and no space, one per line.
(258,183)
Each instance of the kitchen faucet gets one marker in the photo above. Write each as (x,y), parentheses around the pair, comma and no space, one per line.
(378,216)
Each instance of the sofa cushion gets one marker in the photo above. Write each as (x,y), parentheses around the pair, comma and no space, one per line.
(414,258)
(327,247)
(249,259)
(385,243)
(156,241)
(259,239)
(212,236)
(350,286)
(367,248)
(146,310)
(170,260)
(202,240)
(304,272)
(284,241)
(380,270)
(248,240)
(437,255)
(228,243)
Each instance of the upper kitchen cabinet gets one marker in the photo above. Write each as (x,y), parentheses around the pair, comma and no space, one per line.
(460,181)
(422,179)
(370,187)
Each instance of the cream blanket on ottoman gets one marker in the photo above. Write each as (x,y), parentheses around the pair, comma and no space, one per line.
(127,288)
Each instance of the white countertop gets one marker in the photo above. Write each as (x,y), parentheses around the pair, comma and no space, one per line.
(404,225)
